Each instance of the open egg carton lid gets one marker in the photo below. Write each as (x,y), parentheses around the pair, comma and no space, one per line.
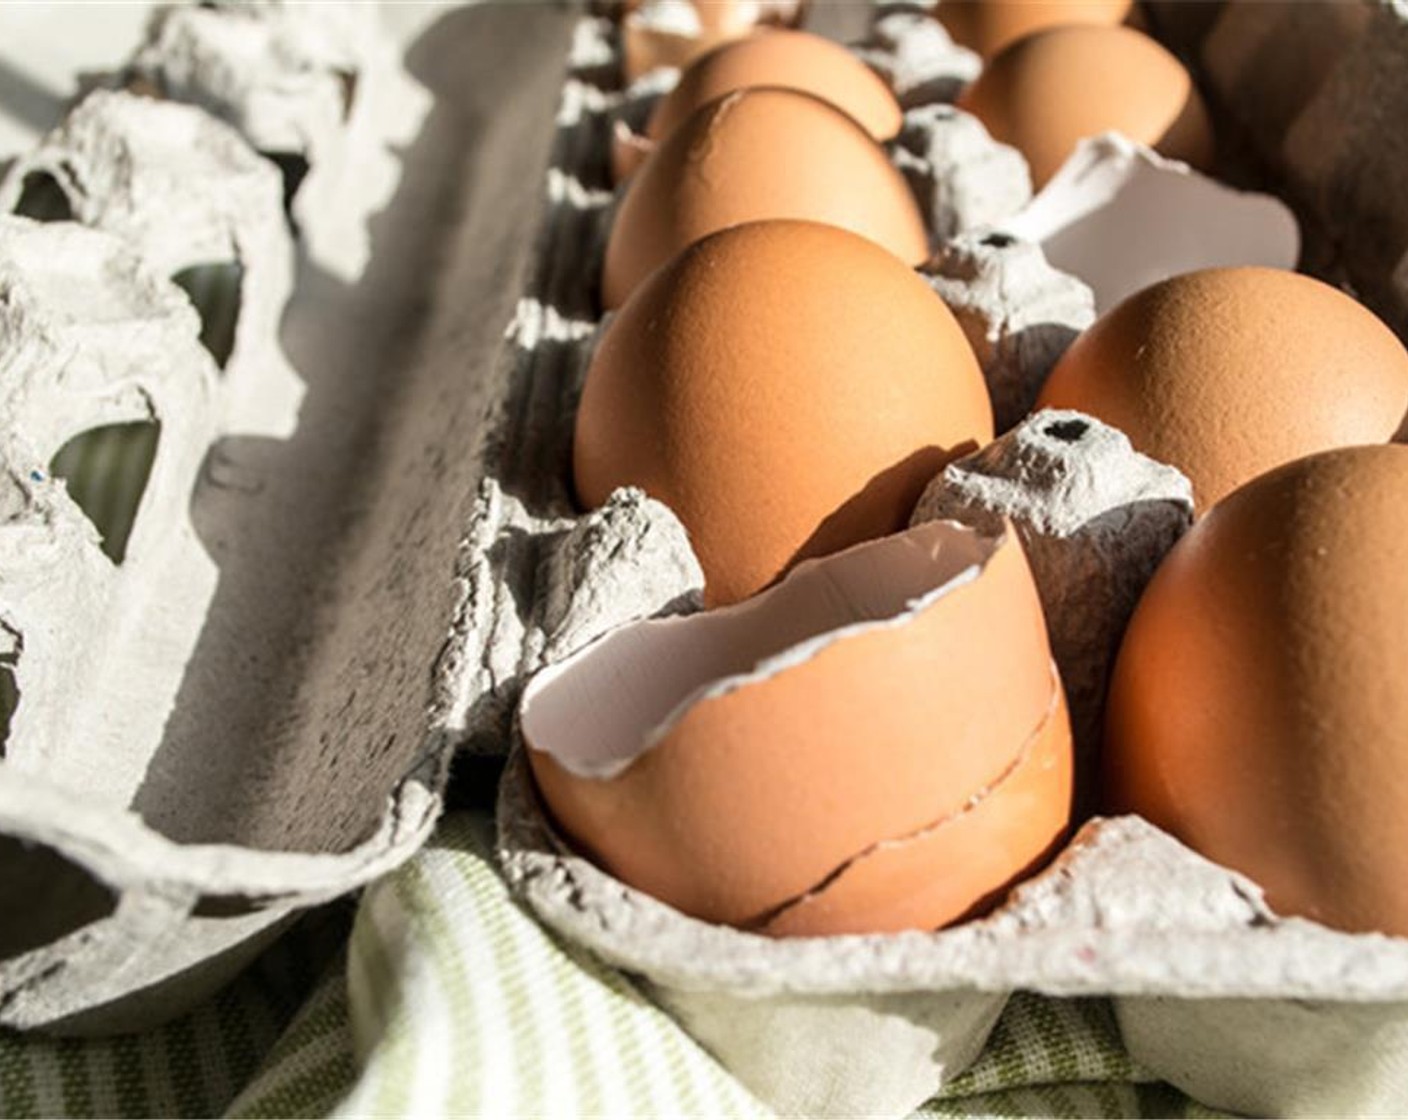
(239,452)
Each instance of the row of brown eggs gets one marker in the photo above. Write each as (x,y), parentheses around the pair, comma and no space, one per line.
(781,378)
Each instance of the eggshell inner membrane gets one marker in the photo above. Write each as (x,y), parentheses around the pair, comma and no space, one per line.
(1121,217)
(731,762)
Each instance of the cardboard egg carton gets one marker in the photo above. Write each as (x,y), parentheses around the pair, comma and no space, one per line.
(249,710)
(313,720)
(1213,992)
(296,80)
(186,192)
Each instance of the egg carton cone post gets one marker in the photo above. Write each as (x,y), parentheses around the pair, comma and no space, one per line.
(300,82)
(1238,1006)
(228,595)
(199,206)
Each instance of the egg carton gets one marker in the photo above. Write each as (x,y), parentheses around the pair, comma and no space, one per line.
(248,709)
(296,79)
(188,194)
(1236,1005)
(358,710)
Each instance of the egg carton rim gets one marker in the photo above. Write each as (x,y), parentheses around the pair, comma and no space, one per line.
(566,891)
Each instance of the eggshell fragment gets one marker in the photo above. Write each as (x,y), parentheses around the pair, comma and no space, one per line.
(987,26)
(1045,93)
(892,886)
(1121,217)
(754,154)
(747,756)
(784,60)
(1229,372)
(787,388)
(1258,704)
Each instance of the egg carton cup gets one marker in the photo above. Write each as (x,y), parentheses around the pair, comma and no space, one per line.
(185,191)
(1237,1006)
(295,78)
(1241,1008)
(916,57)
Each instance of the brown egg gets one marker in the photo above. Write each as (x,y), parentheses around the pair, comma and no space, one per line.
(1229,372)
(752,154)
(1046,92)
(785,59)
(1258,706)
(987,26)
(788,389)
(878,743)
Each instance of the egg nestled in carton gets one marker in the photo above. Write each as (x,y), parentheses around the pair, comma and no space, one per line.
(787,388)
(1047,91)
(781,59)
(1229,372)
(1281,624)
(752,154)
(987,26)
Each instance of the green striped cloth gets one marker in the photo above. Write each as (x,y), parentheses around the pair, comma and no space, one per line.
(446,999)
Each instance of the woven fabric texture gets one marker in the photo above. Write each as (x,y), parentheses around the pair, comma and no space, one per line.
(446,999)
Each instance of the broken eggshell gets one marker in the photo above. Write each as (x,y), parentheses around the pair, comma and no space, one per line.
(878,743)
(1121,217)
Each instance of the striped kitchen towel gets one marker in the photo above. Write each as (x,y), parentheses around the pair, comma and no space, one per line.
(448,1000)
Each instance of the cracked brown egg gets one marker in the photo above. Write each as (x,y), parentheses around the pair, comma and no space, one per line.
(1227,373)
(754,154)
(788,389)
(1046,92)
(1258,704)
(878,743)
